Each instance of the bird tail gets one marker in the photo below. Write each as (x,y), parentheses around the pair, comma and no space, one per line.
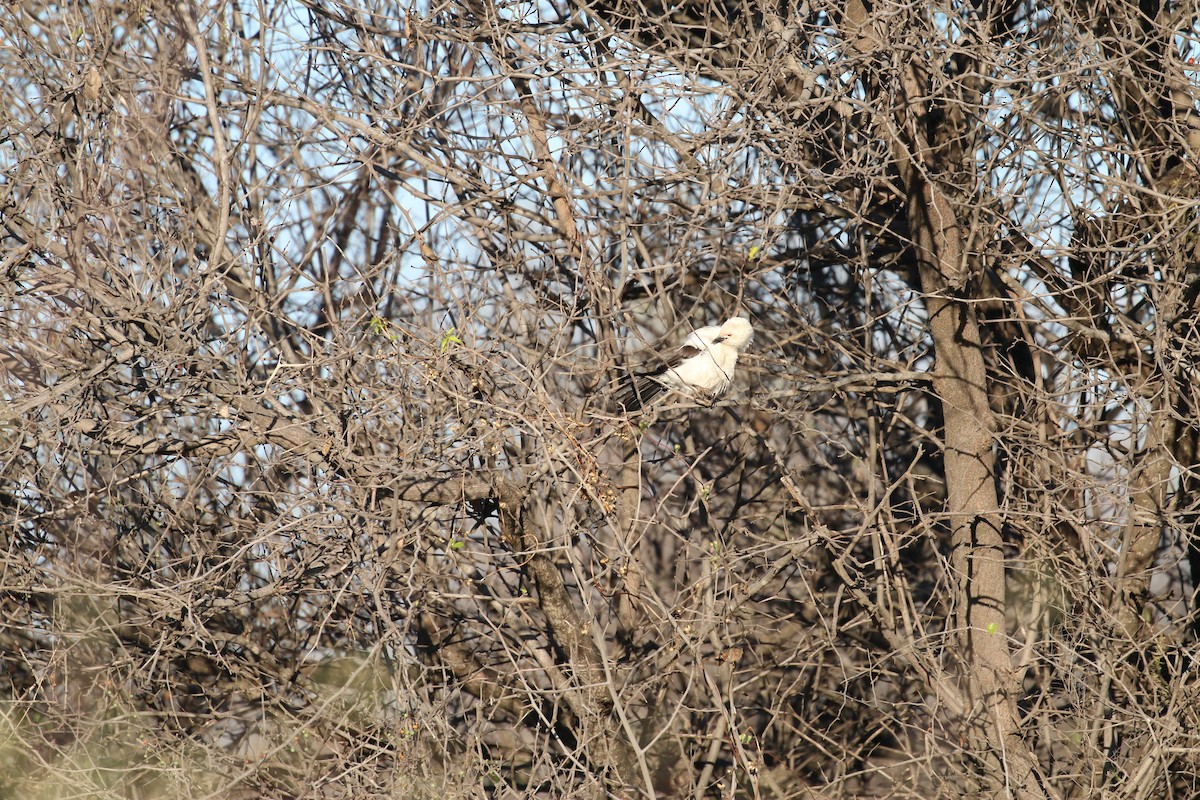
(637,391)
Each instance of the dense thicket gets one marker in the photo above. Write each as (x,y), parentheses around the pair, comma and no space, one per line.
(312,479)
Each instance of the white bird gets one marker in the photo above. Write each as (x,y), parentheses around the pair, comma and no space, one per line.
(704,365)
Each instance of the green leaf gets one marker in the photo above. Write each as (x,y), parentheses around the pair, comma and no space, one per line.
(450,339)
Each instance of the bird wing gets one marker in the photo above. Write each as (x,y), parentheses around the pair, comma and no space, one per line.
(672,361)
(643,385)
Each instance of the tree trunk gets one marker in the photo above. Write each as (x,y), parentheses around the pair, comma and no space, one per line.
(977,557)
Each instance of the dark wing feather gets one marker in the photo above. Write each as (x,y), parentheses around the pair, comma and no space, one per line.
(637,391)
(641,386)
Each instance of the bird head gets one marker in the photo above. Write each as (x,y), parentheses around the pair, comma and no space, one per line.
(736,332)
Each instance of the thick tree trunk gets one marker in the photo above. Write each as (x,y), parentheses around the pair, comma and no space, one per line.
(977,559)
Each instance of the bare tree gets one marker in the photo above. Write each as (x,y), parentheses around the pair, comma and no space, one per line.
(314,482)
